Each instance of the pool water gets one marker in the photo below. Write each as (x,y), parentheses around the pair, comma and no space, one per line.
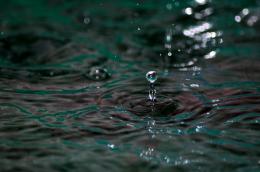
(74,94)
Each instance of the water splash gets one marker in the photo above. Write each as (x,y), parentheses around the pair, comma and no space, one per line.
(151,77)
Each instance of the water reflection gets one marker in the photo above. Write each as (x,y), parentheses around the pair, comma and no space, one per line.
(194,30)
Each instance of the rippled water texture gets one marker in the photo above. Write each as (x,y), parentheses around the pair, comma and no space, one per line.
(74,97)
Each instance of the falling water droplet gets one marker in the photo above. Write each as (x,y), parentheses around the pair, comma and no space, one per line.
(151,76)
(86,20)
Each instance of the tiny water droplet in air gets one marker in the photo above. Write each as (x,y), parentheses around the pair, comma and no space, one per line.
(151,76)
(86,20)
(188,11)
(169,6)
(51,73)
(237,19)
(168,38)
(201,2)
(245,11)
(112,146)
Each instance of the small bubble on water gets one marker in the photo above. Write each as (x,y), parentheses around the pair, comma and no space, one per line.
(194,85)
(151,76)
(97,74)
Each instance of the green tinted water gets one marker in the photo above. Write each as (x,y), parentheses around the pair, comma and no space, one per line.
(74,97)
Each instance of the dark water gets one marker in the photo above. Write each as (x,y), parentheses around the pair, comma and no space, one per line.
(73,93)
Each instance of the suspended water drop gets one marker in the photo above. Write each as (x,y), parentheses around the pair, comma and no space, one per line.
(97,74)
(151,76)
(188,11)
(86,20)
(51,73)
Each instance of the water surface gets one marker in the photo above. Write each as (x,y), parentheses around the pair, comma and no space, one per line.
(73,93)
